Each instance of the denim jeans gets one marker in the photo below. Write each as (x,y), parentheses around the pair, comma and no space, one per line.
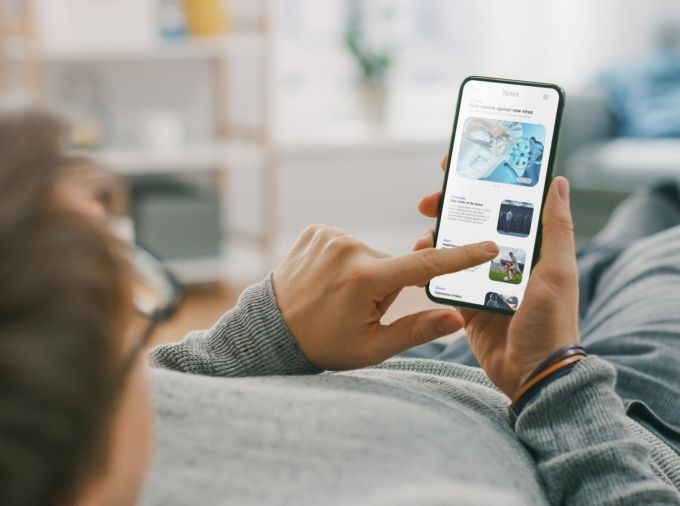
(629,311)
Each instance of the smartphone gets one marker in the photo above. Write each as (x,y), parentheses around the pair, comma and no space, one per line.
(499,168)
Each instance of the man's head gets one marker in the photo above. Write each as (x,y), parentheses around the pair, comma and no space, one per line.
(64,309)
(512,255)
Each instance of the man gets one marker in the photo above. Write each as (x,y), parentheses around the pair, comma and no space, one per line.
(274,429)
(279,430)
(508,270)
(514,267)
(508,221)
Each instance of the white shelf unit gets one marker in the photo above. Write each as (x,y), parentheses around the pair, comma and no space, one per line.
(16,26)
(191,47)
(233,148)
(223,156)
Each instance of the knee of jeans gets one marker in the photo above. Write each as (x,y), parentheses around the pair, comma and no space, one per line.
(655,259)
(662,248)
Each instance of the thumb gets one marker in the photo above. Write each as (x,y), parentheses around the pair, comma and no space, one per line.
(414,330)
(558,228)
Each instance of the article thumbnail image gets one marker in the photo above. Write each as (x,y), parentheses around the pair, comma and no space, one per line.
(500,301)
(507,152)
(508,266)
(514,218)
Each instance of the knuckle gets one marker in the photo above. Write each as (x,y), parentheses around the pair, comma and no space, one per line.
(429,261)
(317,236)
(428,237)
(415,336)
(557,274)
(562,223)
(344,245)
(310,231)
(321,234)
(466,258)
(328,233)
(565,223)
(323,231)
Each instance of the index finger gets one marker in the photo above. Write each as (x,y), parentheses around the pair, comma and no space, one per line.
(444,161)
(421,266)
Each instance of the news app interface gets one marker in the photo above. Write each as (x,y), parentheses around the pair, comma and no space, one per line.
(495,186)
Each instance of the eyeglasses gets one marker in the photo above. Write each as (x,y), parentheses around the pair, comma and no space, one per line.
(156,296)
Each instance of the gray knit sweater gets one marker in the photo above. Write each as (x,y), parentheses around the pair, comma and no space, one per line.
(258,424)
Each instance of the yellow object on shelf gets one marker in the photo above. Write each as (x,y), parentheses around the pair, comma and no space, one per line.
(206,17)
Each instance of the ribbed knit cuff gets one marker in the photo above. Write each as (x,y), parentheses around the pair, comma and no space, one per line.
(250,340)
(590,384)
(576,431)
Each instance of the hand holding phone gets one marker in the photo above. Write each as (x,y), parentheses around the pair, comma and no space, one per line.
(499,166)
(508,349)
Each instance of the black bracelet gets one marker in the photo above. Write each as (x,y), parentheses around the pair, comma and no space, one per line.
(561,354)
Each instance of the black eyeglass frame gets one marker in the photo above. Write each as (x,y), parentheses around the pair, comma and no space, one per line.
(157,315)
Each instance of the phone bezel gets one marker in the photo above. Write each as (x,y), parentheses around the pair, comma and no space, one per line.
(546,183)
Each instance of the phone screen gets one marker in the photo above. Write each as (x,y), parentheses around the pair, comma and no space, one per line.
(500,164)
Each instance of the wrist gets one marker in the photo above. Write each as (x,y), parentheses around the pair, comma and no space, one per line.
(555,365)
(527,362)
(556,355)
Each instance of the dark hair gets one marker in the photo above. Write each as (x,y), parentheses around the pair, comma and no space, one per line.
(63,296)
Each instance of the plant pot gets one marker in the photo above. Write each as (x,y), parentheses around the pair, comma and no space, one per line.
(373,102)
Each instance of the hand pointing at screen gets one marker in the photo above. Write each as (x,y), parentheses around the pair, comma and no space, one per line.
(509,348)
(333,290)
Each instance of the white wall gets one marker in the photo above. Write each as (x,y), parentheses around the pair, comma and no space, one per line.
(564,41)
(370,193)
(568,42)
(373,193)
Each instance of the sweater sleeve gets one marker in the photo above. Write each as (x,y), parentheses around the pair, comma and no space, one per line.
(576,430)
(250,340)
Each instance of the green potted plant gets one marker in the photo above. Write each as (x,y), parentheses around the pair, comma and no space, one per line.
(373,55)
